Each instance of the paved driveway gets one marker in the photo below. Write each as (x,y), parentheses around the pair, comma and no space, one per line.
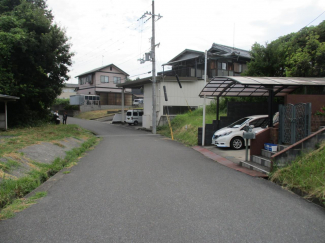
(139,187)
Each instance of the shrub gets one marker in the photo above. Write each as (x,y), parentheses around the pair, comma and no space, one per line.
(72,107)
(61,102)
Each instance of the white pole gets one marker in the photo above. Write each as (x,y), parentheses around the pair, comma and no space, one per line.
(205,81)
(153,57)
(6,115)
(122,106)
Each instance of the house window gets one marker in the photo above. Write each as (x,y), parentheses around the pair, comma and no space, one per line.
(85,79)
(117,80)
(240,68)
(110,68)
(224,66)
(103,79)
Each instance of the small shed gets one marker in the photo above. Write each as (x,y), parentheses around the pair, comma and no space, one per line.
(3,111)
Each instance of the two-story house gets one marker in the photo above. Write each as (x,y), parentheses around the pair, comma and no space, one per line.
(222,61)
(102,81)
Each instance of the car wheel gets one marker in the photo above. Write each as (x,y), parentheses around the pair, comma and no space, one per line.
(135,123)
(237,143)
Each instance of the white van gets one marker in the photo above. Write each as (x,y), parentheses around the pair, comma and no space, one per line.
(134,117)
(137,101)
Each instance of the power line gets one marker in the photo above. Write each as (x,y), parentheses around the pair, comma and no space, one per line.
(315,19)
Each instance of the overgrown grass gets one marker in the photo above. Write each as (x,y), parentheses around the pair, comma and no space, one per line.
(19,205)
(23,137)
(89,115)
(11,189)
(306,174)
(185,126)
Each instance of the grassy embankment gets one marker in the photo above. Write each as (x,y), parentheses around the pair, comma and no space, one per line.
(90,115)
(12,188)
(185,126)
(306,175)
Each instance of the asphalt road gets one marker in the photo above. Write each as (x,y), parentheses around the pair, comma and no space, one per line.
(139,187)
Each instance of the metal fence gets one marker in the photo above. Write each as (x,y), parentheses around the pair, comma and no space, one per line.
(295,122)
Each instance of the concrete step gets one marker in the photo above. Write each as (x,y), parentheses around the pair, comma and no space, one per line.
(261,160)
(254,166)
(267,153)
(282,147)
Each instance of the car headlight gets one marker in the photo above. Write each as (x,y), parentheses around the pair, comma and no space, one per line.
(225,134)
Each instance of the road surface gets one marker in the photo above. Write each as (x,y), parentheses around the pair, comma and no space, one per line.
(139,187)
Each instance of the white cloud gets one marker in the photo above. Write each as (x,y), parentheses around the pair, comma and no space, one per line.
(107,31)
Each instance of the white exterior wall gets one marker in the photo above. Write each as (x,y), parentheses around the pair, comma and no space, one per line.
(147,106)
(176,97)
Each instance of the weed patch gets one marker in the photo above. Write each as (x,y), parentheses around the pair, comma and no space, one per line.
(12,188)
(305,174)
(185,126)
(19,205)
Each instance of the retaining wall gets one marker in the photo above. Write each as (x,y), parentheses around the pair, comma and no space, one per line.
(305,145)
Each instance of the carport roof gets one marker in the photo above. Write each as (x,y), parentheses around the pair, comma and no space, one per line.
(140,82)
(8,98)
(256,86)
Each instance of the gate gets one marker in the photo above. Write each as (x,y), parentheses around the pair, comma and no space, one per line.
(294,122)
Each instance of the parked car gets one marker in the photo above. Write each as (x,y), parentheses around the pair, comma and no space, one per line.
(134,117)
(137,101)
(232,135)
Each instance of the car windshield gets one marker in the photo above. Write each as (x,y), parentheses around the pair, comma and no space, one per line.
(239,123)
(129,113)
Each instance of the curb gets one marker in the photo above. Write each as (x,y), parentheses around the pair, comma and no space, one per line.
(221,160)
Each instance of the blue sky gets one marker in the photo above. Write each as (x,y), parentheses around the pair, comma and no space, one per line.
(108,31)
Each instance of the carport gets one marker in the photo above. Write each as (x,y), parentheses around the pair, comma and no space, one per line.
(237,86)
(3,116)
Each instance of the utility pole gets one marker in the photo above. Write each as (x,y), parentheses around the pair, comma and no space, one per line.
(153,57)
(152,54)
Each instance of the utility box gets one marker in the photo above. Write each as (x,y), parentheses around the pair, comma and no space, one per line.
(249,135)
(77,99)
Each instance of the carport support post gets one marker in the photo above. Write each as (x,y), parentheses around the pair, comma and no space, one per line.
(270,105)
(122,106)
(6,117)
(246,153)
(205,83)
(218,104)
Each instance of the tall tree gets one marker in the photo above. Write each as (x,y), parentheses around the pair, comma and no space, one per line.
(297,54)
(34,58)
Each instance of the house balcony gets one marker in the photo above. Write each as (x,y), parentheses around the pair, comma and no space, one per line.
(190,72)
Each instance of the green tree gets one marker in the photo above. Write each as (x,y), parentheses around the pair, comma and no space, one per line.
(34,58)
(298,54)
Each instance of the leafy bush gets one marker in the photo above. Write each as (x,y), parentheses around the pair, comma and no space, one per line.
(321,112)
(72,107)
(61,102)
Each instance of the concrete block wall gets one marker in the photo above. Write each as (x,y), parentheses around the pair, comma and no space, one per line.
(84,108)
(2,121)
(238,110)
(209,131)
